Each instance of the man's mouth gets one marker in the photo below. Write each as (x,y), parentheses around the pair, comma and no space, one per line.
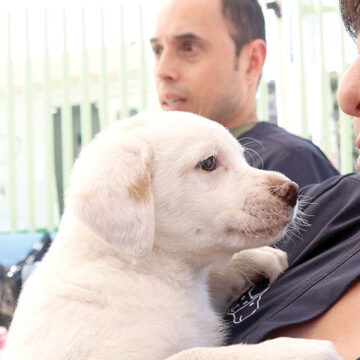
(357,141)
(172,103)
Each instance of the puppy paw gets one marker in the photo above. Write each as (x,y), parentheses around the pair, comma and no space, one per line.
(299,349)
(256,264)
(246,268)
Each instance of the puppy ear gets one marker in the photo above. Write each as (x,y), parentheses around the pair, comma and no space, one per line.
(110,190)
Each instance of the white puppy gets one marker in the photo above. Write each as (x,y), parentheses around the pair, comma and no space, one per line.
(153,202)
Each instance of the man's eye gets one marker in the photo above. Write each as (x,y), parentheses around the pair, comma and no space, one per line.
(189,47)
(209,164)
(157,50)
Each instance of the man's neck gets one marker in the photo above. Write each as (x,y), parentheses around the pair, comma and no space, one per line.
(245,114)
(241,129)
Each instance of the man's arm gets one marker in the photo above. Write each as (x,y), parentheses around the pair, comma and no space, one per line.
(340,324)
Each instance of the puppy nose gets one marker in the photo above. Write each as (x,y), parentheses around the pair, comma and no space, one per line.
(287,192)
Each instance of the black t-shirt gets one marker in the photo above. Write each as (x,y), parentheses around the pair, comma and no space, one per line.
(273,148)
(324,261)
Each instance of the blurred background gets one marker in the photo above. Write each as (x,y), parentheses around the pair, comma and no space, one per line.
(68,70)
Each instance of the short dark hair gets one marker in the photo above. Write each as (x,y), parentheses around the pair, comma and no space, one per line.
(350,13)
(246,21)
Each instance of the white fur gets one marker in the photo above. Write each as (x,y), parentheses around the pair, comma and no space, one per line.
(126,277)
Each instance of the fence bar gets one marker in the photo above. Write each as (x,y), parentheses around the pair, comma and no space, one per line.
(29,132)
(325,113)
(104,107)
(280,81)
(123,68)
(11,136)
(86,126)
(346,146)
(143,65)
(303,104)
(66,116)
(49,133)
(263,101)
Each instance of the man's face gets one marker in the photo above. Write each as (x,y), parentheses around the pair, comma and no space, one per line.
(349,95)
(197,69)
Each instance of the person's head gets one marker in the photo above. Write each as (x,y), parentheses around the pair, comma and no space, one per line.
(349,89)
(209,57)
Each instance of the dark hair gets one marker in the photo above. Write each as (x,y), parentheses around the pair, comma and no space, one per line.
(246,21)
(350,12)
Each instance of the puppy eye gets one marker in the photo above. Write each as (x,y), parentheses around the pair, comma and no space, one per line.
(209,164)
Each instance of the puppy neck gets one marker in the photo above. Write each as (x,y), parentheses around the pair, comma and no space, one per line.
(170,268)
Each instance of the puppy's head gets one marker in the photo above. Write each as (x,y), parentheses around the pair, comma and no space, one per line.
(208,200)
(180,183)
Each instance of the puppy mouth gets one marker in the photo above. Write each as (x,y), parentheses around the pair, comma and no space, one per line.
(269,228)
(256,232)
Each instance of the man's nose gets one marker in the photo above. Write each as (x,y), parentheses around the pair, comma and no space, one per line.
(166,67)
(349,90)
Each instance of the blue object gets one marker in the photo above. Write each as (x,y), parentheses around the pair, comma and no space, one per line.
(15,246)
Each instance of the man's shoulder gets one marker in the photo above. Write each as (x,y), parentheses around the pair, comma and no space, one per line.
(270,147)
(267,132)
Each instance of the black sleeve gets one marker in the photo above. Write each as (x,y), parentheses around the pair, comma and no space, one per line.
(324,261)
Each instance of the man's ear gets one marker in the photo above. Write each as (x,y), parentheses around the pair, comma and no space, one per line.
(255,55)
(110,190)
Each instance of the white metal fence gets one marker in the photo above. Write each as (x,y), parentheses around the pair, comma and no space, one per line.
(66,73)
